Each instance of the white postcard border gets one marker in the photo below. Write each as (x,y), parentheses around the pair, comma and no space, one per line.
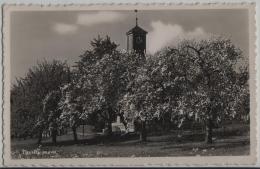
(151,161)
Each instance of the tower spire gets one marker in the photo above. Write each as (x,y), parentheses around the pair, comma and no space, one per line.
(136,19)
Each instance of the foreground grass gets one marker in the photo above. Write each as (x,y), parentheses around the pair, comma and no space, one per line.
(171,144)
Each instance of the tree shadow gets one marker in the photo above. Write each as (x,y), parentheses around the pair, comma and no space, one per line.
(99,139)
(225,144)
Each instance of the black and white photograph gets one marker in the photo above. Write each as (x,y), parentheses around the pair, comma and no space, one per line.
(130,82)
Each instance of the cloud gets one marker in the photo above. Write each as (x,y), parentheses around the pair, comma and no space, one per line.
(99,18)
(63,28)
(164,35)
(88,20)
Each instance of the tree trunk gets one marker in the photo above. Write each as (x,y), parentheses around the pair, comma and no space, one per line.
(54,136)
(163,123)
(39,137)
(143,131)
(122,119)
(110,113)
(74,129)
(109,129)
(208,135)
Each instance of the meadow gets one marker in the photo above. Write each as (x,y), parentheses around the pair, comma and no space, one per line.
(231,140)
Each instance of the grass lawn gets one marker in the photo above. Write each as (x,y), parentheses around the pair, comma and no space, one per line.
(171,144)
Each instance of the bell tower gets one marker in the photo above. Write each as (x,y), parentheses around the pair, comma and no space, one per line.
(136,39)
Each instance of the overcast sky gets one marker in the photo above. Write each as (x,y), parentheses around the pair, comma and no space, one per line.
(65,35)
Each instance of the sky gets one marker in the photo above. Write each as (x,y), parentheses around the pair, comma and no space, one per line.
(65,35)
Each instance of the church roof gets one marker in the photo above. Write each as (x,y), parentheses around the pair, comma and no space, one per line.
(136,30)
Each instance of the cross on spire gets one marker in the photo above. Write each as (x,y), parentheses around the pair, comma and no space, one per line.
(136,19)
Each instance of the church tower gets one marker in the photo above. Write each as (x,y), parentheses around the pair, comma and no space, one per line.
(136,39)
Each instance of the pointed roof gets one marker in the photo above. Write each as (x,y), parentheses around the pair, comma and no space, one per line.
(136,30)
